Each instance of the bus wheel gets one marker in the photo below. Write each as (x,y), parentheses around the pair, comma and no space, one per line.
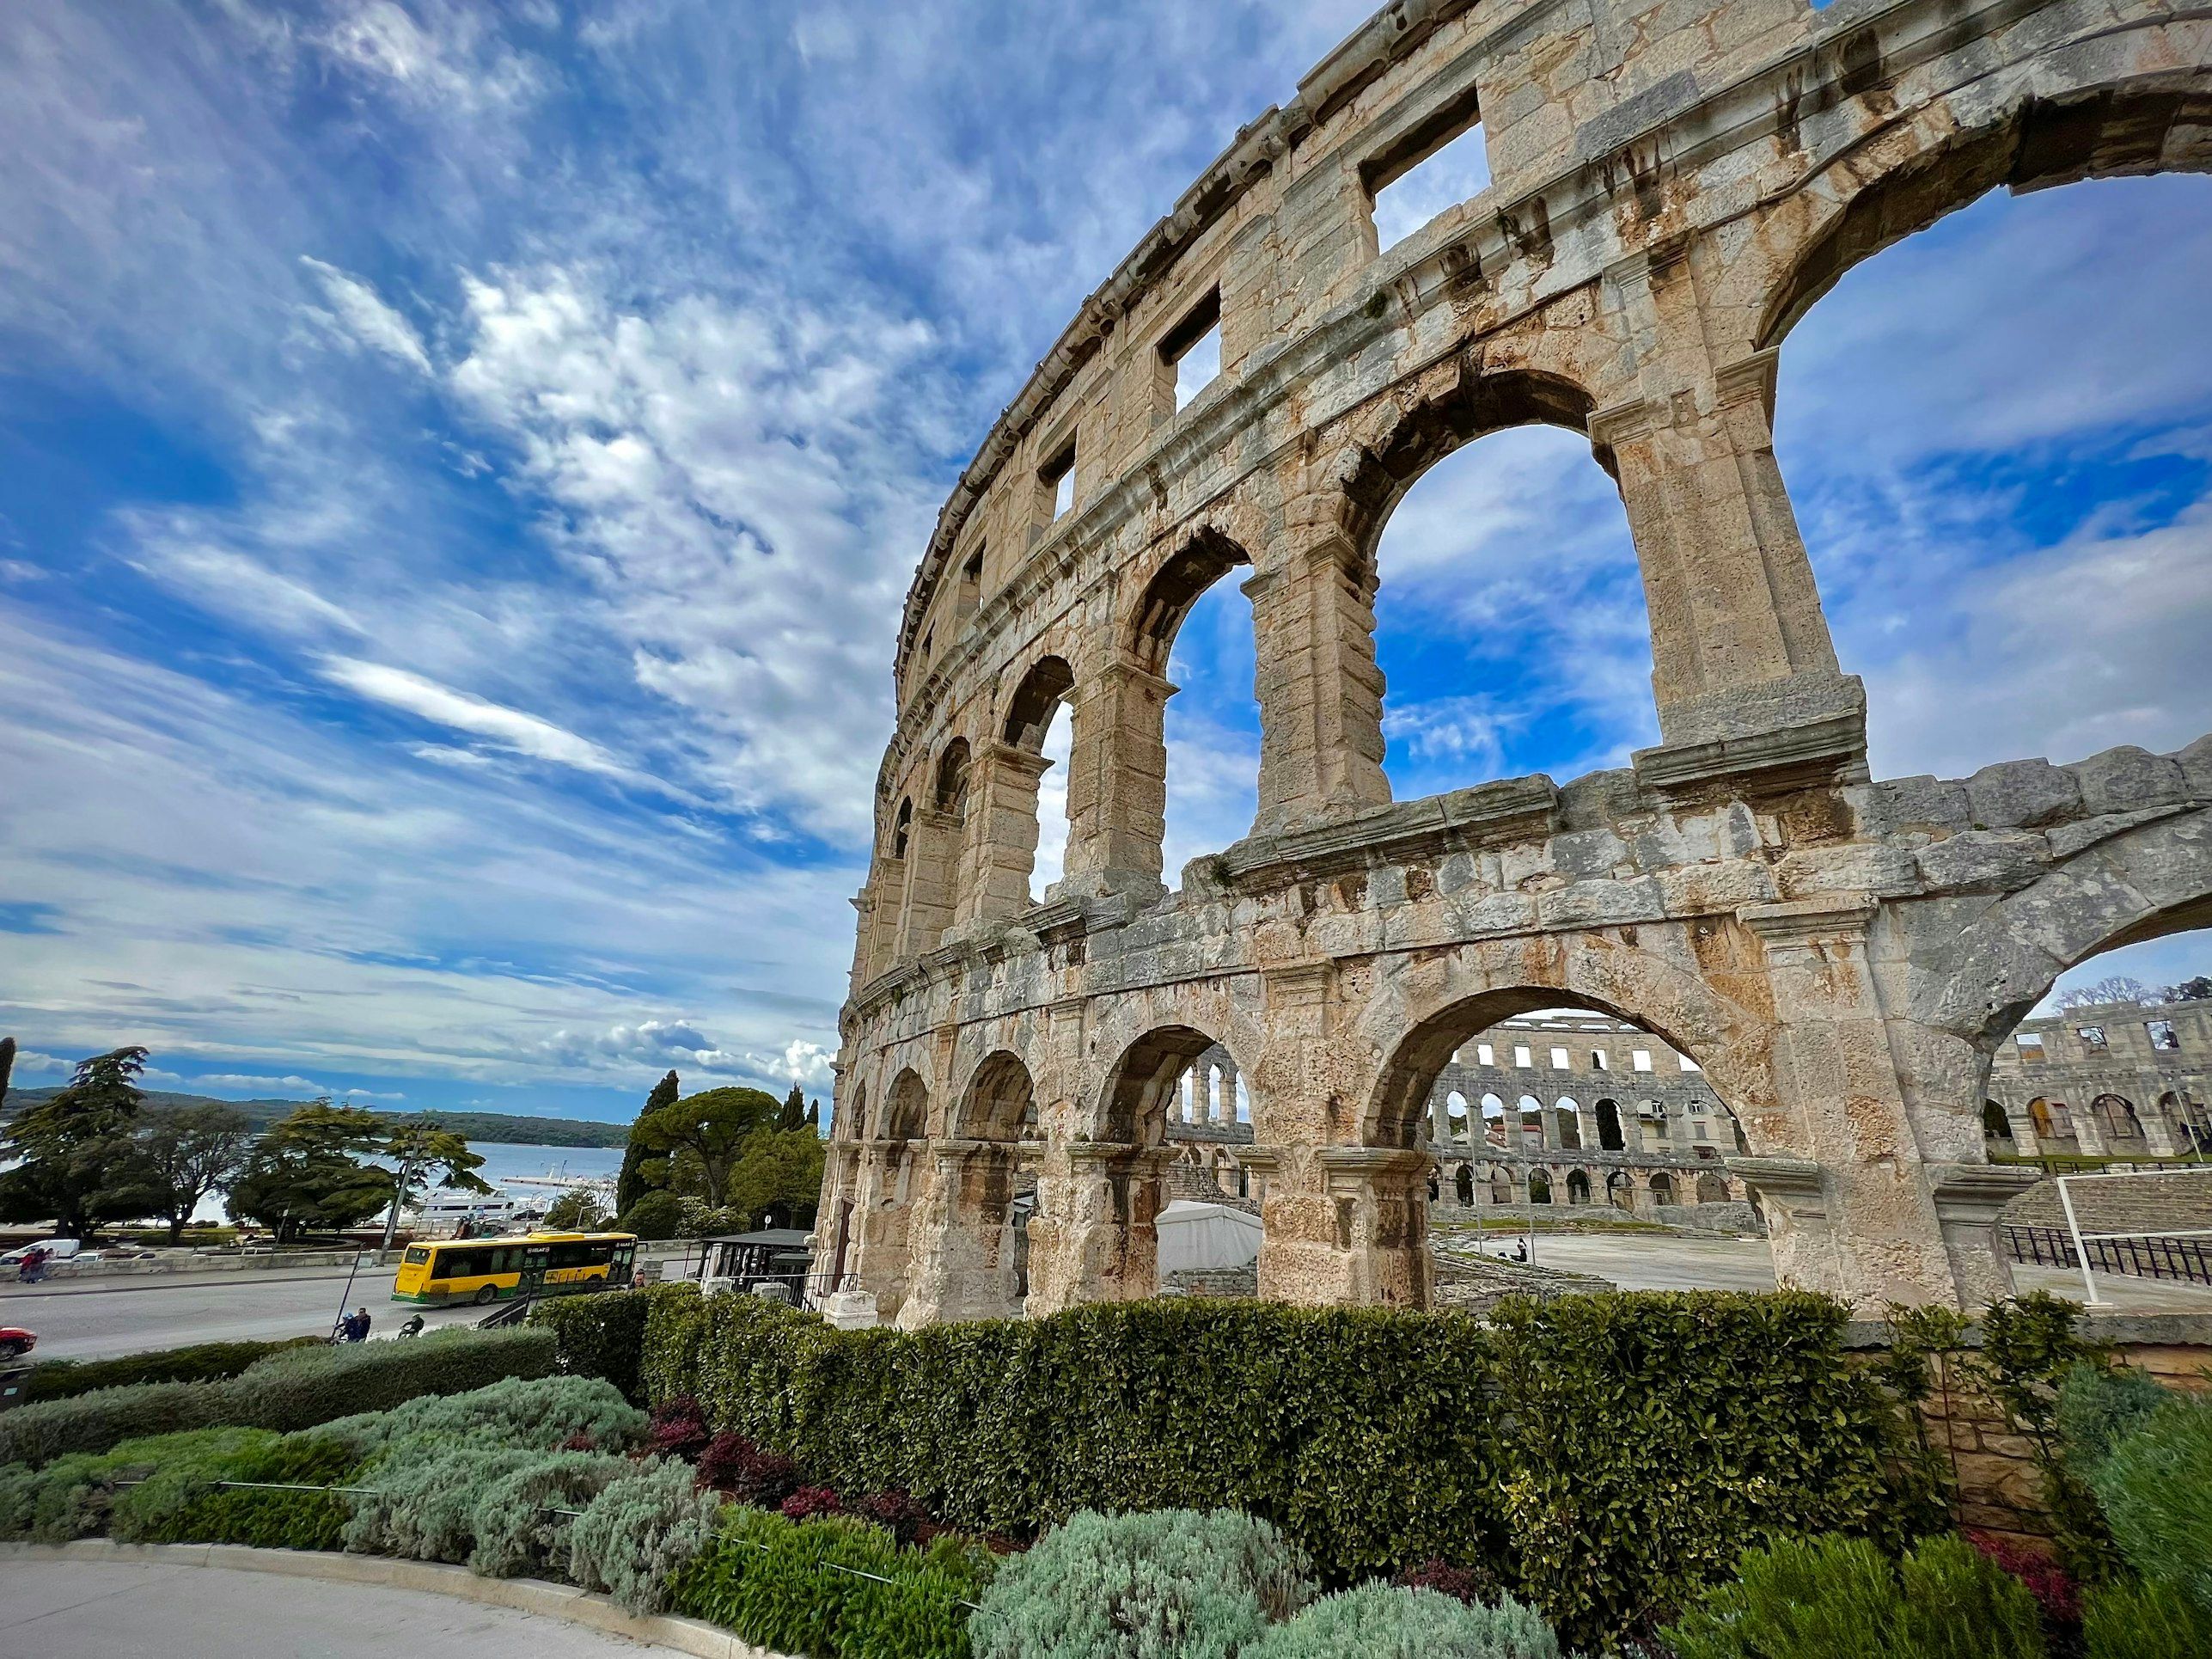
(484,1297)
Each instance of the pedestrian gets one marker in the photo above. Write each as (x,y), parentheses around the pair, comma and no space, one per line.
(360,1325)
(637,1280)
(33,1266)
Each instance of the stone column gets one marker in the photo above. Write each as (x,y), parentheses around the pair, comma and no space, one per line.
(933,866)
(1320,692)
(2088,1132)
(877,1249)
(961,1243)
(1117,783)
(1739,646)
(1354,1228)
(1836,1076)
(865,962)
(1093,1238)
(1002,832)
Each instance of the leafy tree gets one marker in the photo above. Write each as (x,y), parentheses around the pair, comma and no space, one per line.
(630,1185)
(657,1215)
(576,1210)
(777,1177)
(712,1127)
(2199,989)
(422,1148)
(186,1153)
(74,1147)
(306,1173)
(794,1111)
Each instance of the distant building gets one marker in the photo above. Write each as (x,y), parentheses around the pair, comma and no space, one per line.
(2112,1079)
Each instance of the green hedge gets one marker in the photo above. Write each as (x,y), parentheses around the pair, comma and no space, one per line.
(182,1503)
(600,1336)
(777,1583)
(1617,1451)
(206,1361)
(297,1388)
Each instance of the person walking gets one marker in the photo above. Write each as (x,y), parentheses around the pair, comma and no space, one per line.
(32,1268)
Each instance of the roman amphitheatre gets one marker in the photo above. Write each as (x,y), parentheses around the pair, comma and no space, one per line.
(1840,955)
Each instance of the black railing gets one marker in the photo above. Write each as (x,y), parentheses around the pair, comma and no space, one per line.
(2147,1255)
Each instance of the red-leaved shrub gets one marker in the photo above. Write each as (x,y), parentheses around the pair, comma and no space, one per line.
(810,1501)
(1468,1584)
(734,1465)
(2051,1585)
(582,1441)
(679,1428)
(898,1514)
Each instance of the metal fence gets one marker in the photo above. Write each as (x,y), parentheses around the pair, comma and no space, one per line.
(2148,1256)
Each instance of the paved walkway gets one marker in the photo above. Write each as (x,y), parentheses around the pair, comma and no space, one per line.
(130,1610)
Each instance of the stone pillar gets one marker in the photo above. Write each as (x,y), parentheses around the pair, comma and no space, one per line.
(1739,646)
(864,960)
(2088,1132)
(1117,783)
(1002,832)
(1320,692)
(932,864)
(1440,1120)
(1969,1198)
(961,1239)
(876,1250)
(1093,1238)
(1353,1228)
(2024,1142)
(1840,1093)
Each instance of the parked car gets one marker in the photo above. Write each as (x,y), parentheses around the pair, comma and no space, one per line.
(15,1342)
(58,1249)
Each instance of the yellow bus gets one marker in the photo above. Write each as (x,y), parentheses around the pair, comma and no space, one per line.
(485,1270)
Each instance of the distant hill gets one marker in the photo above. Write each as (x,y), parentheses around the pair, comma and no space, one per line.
(497,1128)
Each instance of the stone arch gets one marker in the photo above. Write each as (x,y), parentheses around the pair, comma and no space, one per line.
(1463,1184)
(1663,1189)
(999,1103)
(1917,172)
(1612,1137)
(1041,692)
(902,828)
(1577,1186)
(951,785)
(1566,1124)
(907,1107)
(1996,1123)
(1377,474)
(1712,1190)
(1539,1186)
(2116,1117)
(1493,1112)
(1621,1190)
(1419,1029)
(1134,1109)
(857,1128)
(1182,579)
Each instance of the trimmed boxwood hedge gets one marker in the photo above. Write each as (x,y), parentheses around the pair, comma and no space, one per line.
(599,1336)
(205,1362)
(297,1388)
(1614,1452)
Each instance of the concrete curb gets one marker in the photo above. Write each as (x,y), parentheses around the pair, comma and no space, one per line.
(535,1595)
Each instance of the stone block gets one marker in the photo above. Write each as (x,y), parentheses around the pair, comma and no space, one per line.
(1923,803)
(2128,779)
(2023,795)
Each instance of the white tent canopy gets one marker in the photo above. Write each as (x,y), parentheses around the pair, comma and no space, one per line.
(1204,1238)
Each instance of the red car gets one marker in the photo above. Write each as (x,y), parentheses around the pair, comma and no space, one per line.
(15,1342)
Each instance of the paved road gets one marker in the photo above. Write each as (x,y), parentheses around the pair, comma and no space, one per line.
(84,1321)
(127,1610)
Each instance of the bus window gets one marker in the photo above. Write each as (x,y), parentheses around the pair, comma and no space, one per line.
(416,1255)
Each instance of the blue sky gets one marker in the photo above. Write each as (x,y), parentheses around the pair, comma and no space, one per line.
(459,467)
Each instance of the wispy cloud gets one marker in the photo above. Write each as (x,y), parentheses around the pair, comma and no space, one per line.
(363,318)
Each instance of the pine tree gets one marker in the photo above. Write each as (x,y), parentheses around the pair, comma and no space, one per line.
(794,1111)
(813,1116)
(629,1184)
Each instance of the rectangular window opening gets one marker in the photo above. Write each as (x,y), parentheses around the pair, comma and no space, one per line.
(2029,1044)
(2092,1035)
(1191,350)
(1438,164)
(2162,1034)
(1483,1056)
(1640,1059)
(1559,1060)
(1598,1060)
(1521,1057)
(1057,480)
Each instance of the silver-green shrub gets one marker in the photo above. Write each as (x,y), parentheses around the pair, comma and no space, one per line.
(421,1498)
(1378,1621)
(71,1497)
(638,1532)
(543,1413)
(2155,1484)
(522,1519)
(1164,1584)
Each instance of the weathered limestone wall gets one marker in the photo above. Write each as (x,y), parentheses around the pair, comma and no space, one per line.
(1672,188)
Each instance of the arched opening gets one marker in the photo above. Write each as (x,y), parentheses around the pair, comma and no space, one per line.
(1193,631)
(1712,1190)
(952,780)
(1498,1042)
(1001,1102)
(1029,805)
(1510,625)
(1609,1135)
(878,1247)
(1462,1184)
(1186,1239)
(1996,1126)
(908,1118)
(1991,397)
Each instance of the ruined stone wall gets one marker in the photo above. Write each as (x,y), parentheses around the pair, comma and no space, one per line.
(2113,1079)
(1672,187)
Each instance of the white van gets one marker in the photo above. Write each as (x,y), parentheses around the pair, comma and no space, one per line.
(58,1249)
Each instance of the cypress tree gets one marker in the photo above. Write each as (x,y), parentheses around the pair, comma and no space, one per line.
(629,1184)
(794,1111)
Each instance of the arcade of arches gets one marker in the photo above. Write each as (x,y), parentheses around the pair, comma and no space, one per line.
(1844,957)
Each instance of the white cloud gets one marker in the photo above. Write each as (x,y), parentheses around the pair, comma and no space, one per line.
(442,705)
(366,320)
(284,1087)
